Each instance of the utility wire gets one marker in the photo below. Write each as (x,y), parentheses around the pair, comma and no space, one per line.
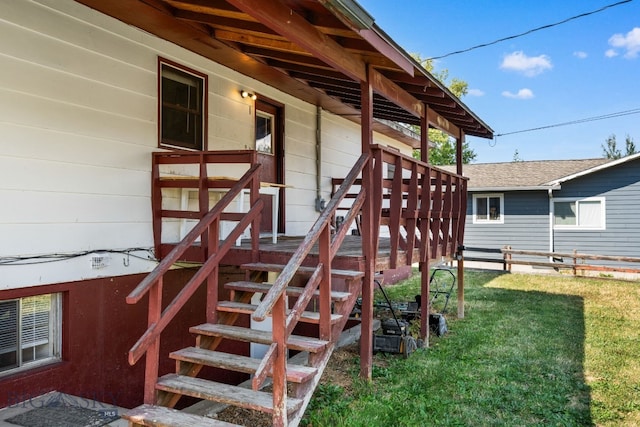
(544,27)
(573,122)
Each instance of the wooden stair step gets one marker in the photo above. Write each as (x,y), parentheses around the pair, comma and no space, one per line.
(223,393)
(160,416)
(239,307)
(235,362)
(339,274)
(295,342)
(263,288)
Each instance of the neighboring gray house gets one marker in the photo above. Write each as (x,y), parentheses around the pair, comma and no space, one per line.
(589,205)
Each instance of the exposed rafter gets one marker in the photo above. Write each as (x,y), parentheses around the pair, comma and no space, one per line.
(315,50)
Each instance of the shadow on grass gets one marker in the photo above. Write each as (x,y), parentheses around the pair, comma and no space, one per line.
(516,359)
(525,353)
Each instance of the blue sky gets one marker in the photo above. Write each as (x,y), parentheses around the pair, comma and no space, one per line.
(587,67)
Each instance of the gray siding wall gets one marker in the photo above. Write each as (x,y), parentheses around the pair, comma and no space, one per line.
(620,186)
(525,227)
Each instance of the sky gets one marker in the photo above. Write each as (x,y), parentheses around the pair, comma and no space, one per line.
(584,68)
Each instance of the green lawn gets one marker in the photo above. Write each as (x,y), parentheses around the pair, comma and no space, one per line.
(532,350)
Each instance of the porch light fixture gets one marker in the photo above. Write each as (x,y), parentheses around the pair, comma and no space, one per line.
(246,94)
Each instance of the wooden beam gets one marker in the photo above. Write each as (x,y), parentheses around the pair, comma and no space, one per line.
(283,20)
(396,94)
(272,43)
(424,142)
(459,159)
(210,7)
(439,122)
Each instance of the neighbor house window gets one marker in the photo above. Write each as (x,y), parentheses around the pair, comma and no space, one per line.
(30,331)
(588,214)
(488,208)
(183,100)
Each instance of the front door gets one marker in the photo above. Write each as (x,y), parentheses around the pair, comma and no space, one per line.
(270,147)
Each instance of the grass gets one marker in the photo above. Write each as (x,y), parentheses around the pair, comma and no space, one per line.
(532,350)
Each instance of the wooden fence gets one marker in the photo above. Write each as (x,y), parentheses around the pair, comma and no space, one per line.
(578,263)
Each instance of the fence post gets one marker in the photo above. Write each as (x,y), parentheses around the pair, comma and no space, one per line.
(506,257)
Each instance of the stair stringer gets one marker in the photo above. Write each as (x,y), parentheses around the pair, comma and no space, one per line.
(321,360)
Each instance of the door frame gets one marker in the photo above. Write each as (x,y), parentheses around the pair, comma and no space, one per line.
(277,110)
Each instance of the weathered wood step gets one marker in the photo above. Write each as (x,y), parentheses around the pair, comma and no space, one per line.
(339,274)
(295,342)
(223,393)
(238,307)
(235,362)
(160,416)
(263,288)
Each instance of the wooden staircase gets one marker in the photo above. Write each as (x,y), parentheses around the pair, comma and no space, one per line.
(301,379)
(424,210)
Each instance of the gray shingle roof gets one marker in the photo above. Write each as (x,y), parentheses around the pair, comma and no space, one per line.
(515,175)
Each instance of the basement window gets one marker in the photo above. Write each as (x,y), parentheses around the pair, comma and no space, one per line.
(30,331)
(183,100)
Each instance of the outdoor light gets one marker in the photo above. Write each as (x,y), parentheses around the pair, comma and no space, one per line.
(246,94)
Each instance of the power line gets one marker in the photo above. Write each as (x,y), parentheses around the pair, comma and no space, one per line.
(573,122)
(544,27)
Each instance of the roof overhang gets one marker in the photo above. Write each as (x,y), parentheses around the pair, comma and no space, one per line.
(596,169)
(506,189)
(315,50)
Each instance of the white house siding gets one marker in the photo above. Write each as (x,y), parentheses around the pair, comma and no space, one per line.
(78,124)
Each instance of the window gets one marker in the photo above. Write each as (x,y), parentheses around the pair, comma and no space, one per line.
(488,208)
(264,132)
(183,101)
(579,214)
(30,330)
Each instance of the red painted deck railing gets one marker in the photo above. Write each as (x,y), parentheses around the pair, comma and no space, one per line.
(207,230)
(274,302)
(421,207)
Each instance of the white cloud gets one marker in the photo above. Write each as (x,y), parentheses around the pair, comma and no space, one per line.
(528,65)
(629,42)
(522,94)
(610,53)
(475,92)
(580,54)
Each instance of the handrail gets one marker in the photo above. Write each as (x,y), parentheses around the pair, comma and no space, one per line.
(136,294)
(155,329)
(281,283)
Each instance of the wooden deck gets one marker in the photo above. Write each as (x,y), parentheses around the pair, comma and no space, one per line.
(349,256)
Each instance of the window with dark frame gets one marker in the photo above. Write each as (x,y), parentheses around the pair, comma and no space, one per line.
(183,107)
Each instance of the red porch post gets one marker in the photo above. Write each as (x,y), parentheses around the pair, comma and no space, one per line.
(461,221)
(426,244)
(366,338)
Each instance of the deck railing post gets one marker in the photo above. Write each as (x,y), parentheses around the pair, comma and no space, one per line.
(212,280)
(153,353)
(279,319)
(324,244)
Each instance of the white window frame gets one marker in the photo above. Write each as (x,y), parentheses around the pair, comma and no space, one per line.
(54,337)
(260,147)
(578,226)
(477,220)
